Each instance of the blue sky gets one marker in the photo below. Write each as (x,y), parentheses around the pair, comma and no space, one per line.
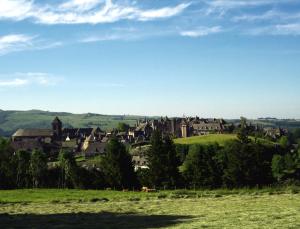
(211,58)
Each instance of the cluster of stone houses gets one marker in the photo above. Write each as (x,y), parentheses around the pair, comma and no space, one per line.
(92,141)
(177,127)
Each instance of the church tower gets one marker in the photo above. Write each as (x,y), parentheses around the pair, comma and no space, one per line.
(57,129)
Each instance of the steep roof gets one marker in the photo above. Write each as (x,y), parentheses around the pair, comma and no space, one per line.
(33,133)
(96,147)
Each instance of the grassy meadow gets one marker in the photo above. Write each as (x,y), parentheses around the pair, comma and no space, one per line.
(244,208)
(221,139)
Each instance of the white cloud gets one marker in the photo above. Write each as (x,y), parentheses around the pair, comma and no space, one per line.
(288,29)
(201,31)
(19,42)
(162,13)
(15,9)
(221,7)
(95,38)
(13,82)
(20,79)
(83,12)
(15,42)
(269,15)
(80,5)
(280,30)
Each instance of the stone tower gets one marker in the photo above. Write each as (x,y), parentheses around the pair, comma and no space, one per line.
(57,129)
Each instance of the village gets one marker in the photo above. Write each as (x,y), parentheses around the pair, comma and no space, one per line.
(90,142)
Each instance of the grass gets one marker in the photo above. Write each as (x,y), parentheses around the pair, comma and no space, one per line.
(242,208)
(221,139)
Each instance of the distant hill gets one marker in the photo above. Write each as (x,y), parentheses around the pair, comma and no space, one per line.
(10,121)
(272,122)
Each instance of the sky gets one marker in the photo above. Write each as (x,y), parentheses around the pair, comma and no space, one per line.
(211,58)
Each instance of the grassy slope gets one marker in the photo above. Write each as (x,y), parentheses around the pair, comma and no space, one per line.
(221,139)
(206,139)
(200,209)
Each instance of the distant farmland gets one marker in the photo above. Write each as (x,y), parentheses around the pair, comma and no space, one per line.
(10,121)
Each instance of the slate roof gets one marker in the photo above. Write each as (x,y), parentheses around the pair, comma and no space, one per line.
(207,126)
(95,147)
(33,133)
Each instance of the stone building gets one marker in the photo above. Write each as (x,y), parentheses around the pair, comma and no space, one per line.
(51,141)
(178,127)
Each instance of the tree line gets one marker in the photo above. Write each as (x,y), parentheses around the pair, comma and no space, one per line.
(239,163)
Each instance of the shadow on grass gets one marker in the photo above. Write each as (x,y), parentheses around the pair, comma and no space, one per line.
(91,220)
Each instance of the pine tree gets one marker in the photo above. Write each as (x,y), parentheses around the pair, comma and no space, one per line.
(172,162)
(117,166)
(68,167)
(163,161)
(156,160)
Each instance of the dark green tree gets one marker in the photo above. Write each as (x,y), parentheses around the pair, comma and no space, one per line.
(38,168)
(243,132)
(7,165)
(200,167)
(246,164)
(117,166)
(23,169)
(172,162)
(284,142)
(68,168)
(286,166)
(163,161)
(123,127)
(157,160)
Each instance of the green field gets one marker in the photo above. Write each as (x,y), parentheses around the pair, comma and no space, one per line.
(221,139)
(266,208)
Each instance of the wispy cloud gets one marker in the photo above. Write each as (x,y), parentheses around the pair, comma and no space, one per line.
(19,42)
(288,29)
(13,82)
(97,38)
(267,16)
(83,12)
(161,13)
(201,31)
(15,42)
(279,30)
(21,79)
(80,5)
(221,7)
